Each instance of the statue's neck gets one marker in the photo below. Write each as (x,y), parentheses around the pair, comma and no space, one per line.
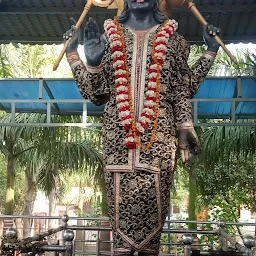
(141,20)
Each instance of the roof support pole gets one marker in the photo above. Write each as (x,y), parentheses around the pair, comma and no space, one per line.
(233,112)
(195,112)
(84,116)
(40,88)
(48,114)
(239,87)
(238,96)
(13,112)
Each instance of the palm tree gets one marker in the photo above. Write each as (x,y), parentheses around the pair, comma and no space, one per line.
(44,153)
(32,61)
(228,143)
(5,67)
(246,65)
(222,144)
(13,143)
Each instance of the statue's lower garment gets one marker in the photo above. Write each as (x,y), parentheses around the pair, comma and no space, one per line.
(138,204)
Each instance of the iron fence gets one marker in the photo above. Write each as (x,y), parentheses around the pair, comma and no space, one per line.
(92,236)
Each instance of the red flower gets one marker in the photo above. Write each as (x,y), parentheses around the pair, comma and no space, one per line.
(124,108)
(121,84)
(124,100)
(161,35)
(117,48)
(130,145)
(172,27)
(152,108)
(147,115)
(126,117)
(122,92)
(151,98)
(119,58)
(165,31)
(120,76)
(151,89)
(159,61)
(160,43)
(152,70)
(108,28)
(127,127)
(161,51)
(144,125)
(152,79)
(112,33)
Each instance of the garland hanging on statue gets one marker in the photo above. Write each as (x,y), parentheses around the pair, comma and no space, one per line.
(122,82)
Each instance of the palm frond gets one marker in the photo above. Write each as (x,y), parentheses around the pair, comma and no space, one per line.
(227,143)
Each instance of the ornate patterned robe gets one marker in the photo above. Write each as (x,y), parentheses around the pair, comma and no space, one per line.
(138,182)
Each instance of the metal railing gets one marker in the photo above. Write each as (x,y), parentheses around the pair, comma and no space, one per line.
(85,238)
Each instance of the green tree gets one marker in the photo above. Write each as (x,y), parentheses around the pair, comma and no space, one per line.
(246,65)
(32,61)
(221,144)
(226,170)
(5,67)
(45,153)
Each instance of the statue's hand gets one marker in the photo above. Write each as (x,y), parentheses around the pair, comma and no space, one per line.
(73,43)
(188,145)
(209,32)
(94,45)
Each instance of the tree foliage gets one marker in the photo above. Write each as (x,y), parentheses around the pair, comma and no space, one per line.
(226,176)
(32,61)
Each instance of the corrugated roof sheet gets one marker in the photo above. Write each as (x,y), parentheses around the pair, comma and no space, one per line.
(214,99)
(45,21)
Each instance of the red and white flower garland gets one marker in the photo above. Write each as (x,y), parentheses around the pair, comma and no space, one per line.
(122,80)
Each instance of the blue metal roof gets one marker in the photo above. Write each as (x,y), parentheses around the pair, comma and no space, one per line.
(238,93)
(216,98)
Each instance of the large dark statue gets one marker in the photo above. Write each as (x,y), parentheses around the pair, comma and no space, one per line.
(139,69)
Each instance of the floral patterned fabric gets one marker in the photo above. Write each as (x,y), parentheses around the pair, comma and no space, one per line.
(139,182)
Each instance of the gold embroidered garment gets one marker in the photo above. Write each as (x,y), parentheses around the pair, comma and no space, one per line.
(139,182)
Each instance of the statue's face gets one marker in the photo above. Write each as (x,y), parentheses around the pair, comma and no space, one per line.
(141,4)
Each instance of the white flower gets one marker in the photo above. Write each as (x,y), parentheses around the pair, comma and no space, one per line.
(149,103)
(126,121)
(152,84)
(120,72)
(107,24)
(124,113)
(121,88)
(148,111)
(175,24)
(112,29)
(151,93)
(140,128)
(115,43)
(129,139)
(121,97)
(118,63)
(153,75)
(161,39)
(120,80)
(145,119)
(154,66)
(111,37)
(116,54)
(159,54)
(123,104)
(161,47)
(163,34)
